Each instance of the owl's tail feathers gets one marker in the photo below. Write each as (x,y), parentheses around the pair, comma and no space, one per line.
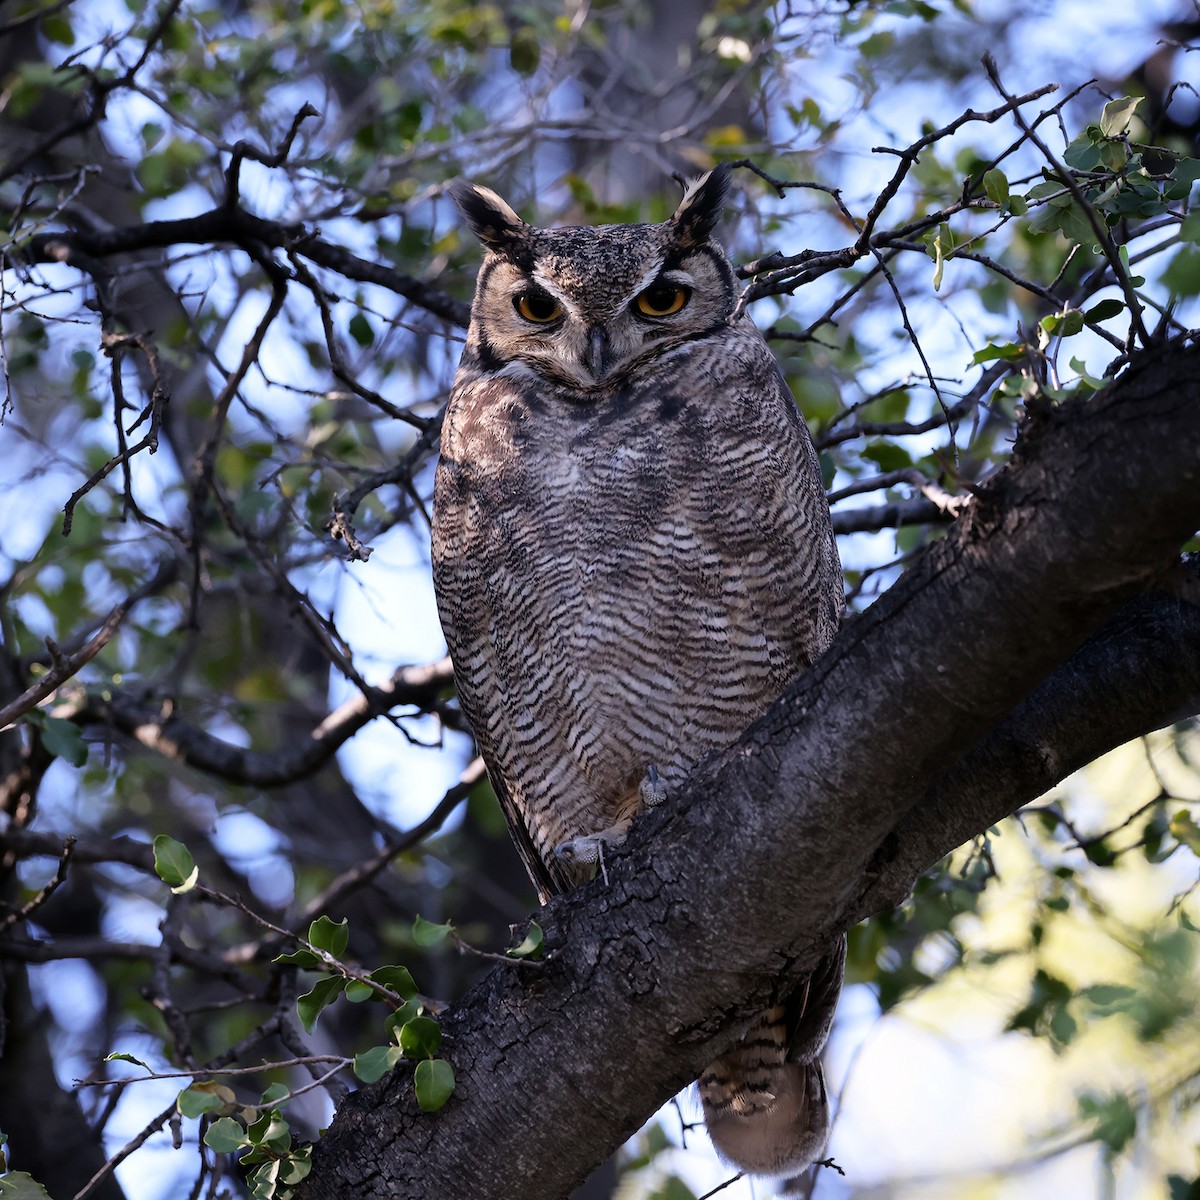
(765,1102)
(777,1131)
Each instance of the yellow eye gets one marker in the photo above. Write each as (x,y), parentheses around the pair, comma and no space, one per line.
(662,299)
(538,307)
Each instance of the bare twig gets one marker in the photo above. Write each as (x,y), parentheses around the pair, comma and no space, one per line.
(243,150)
(43,894)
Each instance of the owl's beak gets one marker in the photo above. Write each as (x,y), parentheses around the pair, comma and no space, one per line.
(595,357)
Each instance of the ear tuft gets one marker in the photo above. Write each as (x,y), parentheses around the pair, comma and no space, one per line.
(700,209)
(491,219)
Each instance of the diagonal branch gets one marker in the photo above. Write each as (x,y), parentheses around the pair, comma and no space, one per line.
(820,811)
(159,727)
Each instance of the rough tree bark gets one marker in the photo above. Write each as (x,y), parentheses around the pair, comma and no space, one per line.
(945,706)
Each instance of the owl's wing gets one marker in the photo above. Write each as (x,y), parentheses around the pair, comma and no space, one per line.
(547,881)
(464,559)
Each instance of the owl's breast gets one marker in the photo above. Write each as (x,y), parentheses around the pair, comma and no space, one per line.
(622,583)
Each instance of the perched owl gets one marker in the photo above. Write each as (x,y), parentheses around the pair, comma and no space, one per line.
(633,556)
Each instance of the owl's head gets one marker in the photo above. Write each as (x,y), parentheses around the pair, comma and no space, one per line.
(586,304)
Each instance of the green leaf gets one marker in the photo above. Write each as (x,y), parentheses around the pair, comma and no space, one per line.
(995,185)
(1183,829)
(1010,352)
(17,1185)
(357,991)
(1104,310)
(1084,154)
(173,862)
(64,739)
(1115,1119)
(120,1056)
(271,1131)
(420,1037)
(299,958)
(1183,177)
(361,330)
(375,1063)
(525,50)
(1087,380)
(531,947)
(1179,1188)
(941,248)
(296,1166)
(1118,116)
(310,1005)
(331,936)
(395,979)
(1063,324)
(274,1093)
(225,1136)
(1189,231)
(1123,255)
(397,1020)
(433,1081)
(208,1096)
(56,28)
(1182,275)
(426,933)
(887,456)
(264,1182)
(1108,995)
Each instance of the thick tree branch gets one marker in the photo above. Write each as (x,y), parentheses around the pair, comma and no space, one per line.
(237,227)
(823,809)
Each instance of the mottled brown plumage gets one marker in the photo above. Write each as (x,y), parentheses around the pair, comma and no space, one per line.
(633,557)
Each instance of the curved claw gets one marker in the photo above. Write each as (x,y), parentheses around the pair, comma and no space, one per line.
(580,851)
(652,791)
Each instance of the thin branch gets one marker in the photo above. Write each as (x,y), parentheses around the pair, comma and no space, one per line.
(1103,237)
(43,894)
(244,149)
(64,666)
(235,226)
(216,1072)
(158,727)
(113,344)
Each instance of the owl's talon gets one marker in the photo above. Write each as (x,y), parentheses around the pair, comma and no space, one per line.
(583,852)
(579,852)
(652,791)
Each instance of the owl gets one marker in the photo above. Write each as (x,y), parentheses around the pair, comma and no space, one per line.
(633,557)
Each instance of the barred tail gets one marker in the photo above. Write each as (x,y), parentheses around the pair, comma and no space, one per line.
(765,1101)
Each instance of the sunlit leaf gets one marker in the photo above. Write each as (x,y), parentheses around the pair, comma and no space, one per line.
(204,1097)
(225,1136)
(1118,115)
(173,862)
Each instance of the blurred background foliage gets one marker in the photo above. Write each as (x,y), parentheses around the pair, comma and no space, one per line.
(233,298)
